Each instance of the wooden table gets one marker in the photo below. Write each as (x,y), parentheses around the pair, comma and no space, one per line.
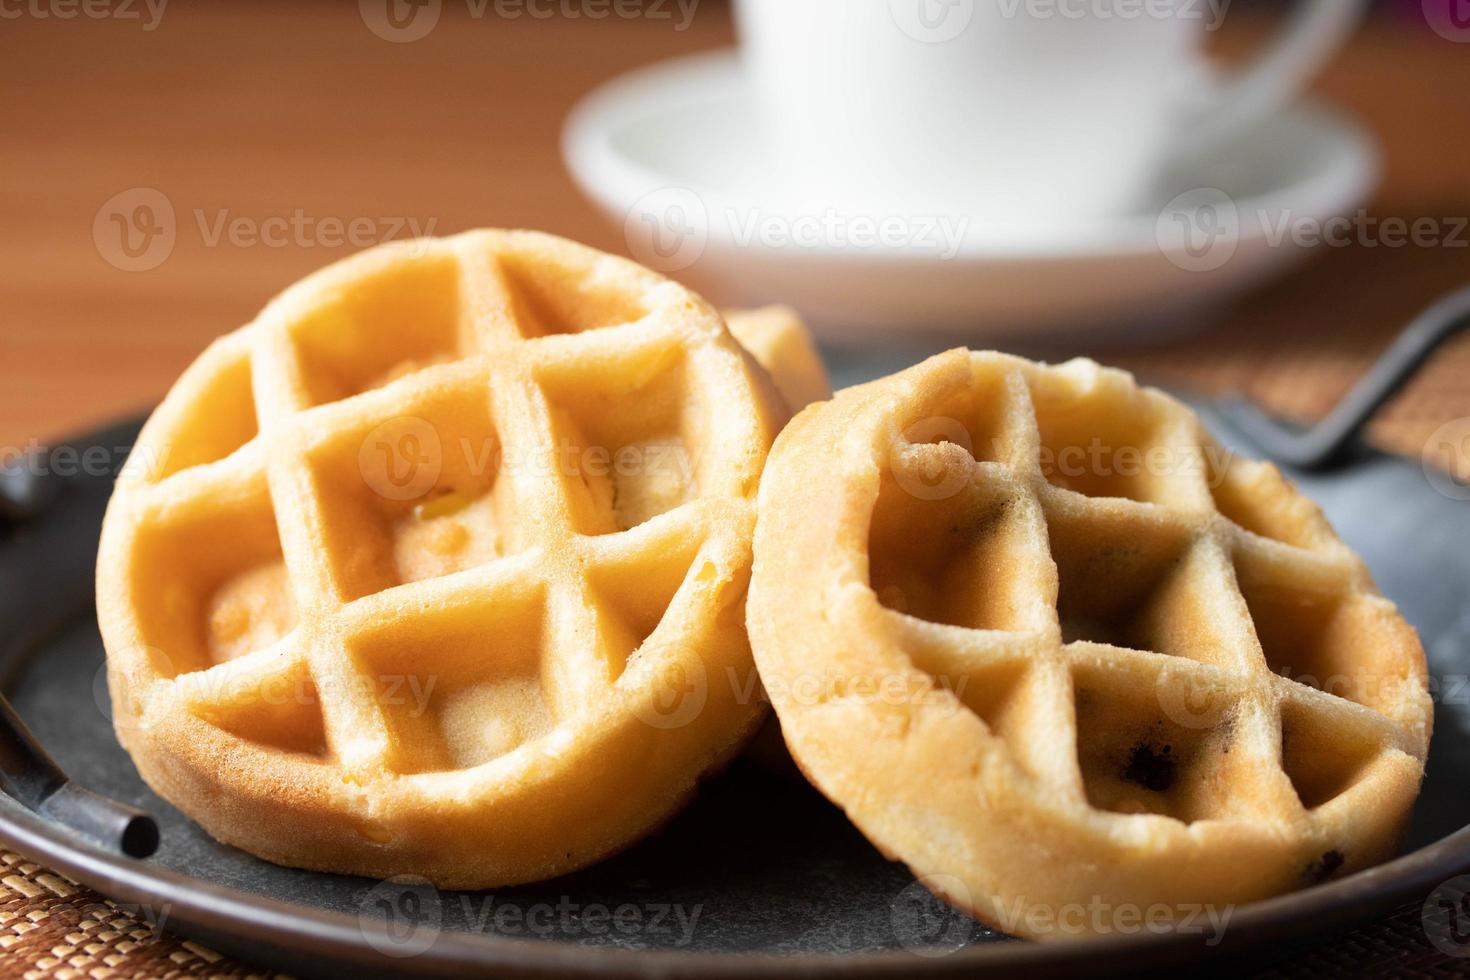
(249,112)
(269,110)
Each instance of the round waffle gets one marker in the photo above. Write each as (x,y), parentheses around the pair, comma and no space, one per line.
(1052,647)
(429,568)
(778,339)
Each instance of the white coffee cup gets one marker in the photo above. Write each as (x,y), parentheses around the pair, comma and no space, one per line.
(1008,111)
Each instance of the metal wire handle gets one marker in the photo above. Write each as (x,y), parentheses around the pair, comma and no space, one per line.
(1326,443)
(28,773)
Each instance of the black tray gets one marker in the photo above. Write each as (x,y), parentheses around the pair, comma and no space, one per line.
(780,883)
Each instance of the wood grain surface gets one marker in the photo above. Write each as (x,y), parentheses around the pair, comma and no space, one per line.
(244,114)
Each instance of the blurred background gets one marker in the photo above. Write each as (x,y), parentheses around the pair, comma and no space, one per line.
(168,167)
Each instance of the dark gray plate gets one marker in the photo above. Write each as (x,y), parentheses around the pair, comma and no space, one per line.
(759,875)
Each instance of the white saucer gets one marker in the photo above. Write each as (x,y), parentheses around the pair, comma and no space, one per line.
(673,152)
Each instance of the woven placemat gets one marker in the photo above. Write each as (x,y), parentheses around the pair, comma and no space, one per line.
(53,927)
(1302,386)
(1298,346)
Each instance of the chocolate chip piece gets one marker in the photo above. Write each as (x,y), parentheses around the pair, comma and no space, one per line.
(1151,768)
(1325,866)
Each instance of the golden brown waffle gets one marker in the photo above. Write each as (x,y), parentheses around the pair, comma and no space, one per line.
(778,339)
(1048,644)
(424,570)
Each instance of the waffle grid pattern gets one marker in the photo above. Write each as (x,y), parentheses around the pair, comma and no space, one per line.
(505,364)
(550,463)
(1067,651)
(1225,698)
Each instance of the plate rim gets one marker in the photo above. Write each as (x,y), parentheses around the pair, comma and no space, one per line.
(334,937)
